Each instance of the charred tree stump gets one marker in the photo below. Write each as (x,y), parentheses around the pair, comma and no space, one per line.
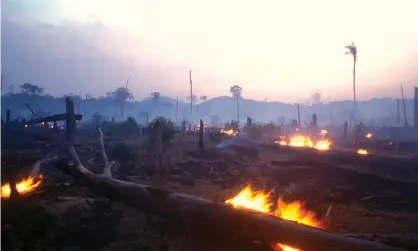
(345,130)
(159,181)
(201,146)
(70,120)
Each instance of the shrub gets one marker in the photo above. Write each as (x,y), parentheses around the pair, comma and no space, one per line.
(122,151)
(166,126)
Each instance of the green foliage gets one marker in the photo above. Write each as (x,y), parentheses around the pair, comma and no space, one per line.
(166,126)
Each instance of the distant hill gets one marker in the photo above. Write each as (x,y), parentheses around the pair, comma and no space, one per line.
(378,111)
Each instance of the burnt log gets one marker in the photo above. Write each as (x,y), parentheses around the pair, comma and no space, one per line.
(214,217)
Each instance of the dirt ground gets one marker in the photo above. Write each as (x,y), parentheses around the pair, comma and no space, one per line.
(61,215)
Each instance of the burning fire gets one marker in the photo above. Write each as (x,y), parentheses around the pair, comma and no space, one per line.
(369,135)
(24,186)
(323,145)
(281,142)
(300,141)
(305,141)
(362,151)
(229,132)
(260,201)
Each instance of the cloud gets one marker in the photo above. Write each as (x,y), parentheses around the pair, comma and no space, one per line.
(70,57)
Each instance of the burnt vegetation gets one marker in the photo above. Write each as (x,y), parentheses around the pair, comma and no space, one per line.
(148,183)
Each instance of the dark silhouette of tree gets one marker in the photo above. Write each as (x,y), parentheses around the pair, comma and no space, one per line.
(203,98)
(316,98)
(156,97)
(236,91)
(121,94)
(31,89)
(11,89)
(352,49)
(97,118)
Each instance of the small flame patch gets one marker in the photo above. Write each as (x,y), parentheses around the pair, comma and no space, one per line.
(25,186)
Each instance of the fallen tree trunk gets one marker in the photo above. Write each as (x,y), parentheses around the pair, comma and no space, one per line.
(200,213)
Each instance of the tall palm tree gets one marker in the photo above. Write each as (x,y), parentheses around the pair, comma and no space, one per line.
(352,49)
(236,91)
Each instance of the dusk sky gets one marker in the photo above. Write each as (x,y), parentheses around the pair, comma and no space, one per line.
(278,50)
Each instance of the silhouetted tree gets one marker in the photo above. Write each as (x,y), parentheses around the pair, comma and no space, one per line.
(156,97)
(236,91)
(204,98)
(121,94)
(352,49)
(31,89)
(316,98)
(97,118)
(11,89)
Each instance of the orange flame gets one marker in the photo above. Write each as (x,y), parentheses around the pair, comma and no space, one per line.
(305,141)
(281,142)
(24,186)
(362,151)
(229,132)
(369,135)
(323,145)
(300,141)
(259,201)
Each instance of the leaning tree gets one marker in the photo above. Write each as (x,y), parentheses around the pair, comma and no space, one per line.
(236,91)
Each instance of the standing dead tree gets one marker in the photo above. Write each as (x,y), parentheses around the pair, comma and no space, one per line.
(236,91)
(352,49)
(191,92)
(201,131)
(159,175)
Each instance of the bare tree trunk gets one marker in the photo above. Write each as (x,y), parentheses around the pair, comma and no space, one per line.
(238,108)
(201,145)
(354,92)
(121,111)
(404,108)
(191,92)
(159,181)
